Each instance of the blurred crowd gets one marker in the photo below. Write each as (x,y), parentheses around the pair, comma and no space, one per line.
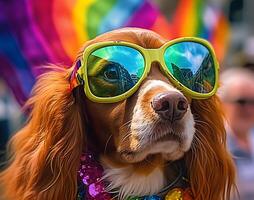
(11,118)
(237,94)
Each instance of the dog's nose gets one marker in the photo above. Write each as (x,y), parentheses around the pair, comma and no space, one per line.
(170,105)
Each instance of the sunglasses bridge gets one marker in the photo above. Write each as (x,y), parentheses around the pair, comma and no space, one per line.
(154,54)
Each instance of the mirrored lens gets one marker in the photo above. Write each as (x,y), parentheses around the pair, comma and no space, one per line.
(192,65)
(113,70)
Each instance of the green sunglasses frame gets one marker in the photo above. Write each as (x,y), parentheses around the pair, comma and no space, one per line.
(149,55)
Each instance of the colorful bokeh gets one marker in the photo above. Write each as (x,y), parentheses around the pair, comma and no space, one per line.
(34,33)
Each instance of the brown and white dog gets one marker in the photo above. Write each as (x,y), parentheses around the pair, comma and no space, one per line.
(136,141)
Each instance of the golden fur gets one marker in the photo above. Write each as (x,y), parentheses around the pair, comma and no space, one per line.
(45,153)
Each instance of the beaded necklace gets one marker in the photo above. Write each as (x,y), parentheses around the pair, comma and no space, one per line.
(91,187)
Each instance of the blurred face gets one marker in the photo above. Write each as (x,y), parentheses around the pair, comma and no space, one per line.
(239,105)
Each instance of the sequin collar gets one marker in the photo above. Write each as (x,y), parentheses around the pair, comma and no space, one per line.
(91,187)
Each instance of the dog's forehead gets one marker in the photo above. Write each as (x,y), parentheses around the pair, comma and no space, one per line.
(142,37)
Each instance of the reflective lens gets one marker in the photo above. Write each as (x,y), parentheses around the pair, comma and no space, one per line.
(113,70)
(192,65)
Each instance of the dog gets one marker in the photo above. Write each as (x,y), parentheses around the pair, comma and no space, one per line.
(142,142)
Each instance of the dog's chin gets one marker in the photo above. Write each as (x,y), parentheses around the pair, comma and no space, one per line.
(168,146)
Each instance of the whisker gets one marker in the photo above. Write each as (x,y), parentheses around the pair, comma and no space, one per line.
(126,124)
(128,134)
(105,148)
(202,122)
(201,141)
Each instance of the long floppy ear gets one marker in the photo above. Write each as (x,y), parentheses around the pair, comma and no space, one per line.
(211,168)
(46,152)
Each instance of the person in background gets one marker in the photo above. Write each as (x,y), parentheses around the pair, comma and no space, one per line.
(237,94)
(11,119)
(4,123)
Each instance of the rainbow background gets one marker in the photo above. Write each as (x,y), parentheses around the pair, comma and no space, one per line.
(34,33)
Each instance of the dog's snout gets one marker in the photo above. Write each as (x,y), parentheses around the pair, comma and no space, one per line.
(170,105)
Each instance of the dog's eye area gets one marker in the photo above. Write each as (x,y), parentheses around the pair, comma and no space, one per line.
(111,72)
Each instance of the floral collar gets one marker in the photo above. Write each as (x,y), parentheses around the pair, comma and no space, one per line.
(91,187)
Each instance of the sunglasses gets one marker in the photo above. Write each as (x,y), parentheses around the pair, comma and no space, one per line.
(243,101)
(112,71)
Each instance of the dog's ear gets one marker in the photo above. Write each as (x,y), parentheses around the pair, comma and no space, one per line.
(211,168)
(46,152)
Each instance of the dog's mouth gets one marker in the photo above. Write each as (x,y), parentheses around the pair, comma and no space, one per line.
(151,148)
(170,136)
(169,140)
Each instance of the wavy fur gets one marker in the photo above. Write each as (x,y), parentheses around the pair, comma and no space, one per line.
(210,166)
(46,152)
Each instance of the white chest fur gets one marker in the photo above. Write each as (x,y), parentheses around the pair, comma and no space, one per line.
(129,183)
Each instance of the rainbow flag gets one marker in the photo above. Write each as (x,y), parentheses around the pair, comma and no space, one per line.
(202,19)
(34,33)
